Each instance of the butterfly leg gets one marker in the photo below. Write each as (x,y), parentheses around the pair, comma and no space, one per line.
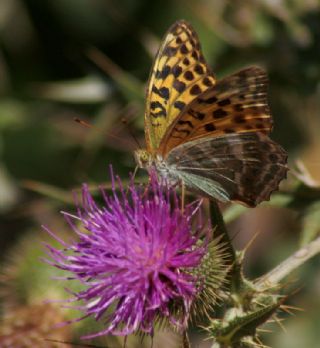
(135,172)
(147,187)
(133,177)
(183,195)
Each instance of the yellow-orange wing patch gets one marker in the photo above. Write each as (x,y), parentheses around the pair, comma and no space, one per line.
(178,76)
(235,104)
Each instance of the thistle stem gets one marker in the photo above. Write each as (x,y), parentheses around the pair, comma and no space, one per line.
(274,277)
(185,340)
(221,230)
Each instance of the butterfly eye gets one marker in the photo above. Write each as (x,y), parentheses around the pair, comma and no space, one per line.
(142,158)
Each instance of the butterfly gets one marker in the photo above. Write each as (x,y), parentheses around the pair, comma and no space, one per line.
(211,135)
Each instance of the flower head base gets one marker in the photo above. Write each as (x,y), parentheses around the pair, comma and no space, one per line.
(135,257)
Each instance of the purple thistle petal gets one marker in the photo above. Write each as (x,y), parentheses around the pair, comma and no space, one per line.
(133,255)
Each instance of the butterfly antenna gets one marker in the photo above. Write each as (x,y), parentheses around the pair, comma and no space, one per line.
(135,172)
(88,125)
(183,196)
(126,124)
(82,122)
(132,178)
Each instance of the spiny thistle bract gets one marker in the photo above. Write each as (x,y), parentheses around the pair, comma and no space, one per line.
(136,257)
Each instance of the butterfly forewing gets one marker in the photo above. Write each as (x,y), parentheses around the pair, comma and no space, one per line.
(235,104)
(245,167)
(178,76)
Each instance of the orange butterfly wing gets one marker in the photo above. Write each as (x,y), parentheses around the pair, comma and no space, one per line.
(178,74)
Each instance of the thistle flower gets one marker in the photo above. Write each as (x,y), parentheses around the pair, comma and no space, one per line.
(135,256)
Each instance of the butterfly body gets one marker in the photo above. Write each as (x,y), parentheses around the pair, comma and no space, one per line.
(211,135)
(155,162)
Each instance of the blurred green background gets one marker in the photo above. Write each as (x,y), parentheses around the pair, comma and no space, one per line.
(91,59)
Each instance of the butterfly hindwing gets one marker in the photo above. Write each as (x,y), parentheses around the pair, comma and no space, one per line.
(178,75)
(245,167)
(235,104)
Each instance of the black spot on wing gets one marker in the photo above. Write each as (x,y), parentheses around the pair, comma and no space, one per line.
(209,127)
(210,100)
(219,113)
(179,105)
(162,74)
(155,104)
(224,102)
(195,90)
(188,75)
(207,82)
(176,70)
(186,61)
(164,93)
(194,55)
(184,49)
(197,114)
(170,51)
(198,69)
(179,85)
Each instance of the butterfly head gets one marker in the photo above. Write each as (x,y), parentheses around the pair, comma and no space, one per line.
(143,158)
